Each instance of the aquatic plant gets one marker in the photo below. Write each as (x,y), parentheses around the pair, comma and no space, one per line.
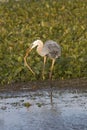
(23,21)
(26,104)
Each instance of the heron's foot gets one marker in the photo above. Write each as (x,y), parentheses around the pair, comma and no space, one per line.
(50,75)
(43,77)
(33,73)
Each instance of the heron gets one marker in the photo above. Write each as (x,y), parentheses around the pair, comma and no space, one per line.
(50,49)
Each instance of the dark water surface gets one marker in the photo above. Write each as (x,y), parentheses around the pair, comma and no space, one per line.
(60,109)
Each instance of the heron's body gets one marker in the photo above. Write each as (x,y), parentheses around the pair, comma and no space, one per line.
(50,49)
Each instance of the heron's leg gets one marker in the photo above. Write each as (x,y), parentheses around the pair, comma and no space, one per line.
(50,75)
(44,67)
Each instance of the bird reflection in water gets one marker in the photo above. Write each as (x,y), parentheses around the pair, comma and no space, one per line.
(50,49)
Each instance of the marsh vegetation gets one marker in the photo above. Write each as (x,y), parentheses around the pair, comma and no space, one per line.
(23,21)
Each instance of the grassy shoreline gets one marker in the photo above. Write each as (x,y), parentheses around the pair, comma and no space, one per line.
(24,21)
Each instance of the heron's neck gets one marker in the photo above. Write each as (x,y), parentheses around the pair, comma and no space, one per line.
(39,48)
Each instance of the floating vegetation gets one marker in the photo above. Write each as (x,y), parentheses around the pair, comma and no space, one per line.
(27,104)
(40,104)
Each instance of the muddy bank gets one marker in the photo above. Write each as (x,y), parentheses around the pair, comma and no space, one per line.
(34,85)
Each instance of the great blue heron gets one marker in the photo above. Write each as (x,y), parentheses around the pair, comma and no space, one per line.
(50,49)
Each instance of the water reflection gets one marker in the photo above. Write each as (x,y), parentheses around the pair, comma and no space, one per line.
(54,109)
(51,92)
(51,97)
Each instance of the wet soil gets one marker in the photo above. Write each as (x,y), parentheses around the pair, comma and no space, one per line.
(57,105)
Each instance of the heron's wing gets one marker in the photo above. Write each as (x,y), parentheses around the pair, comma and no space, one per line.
(52,49)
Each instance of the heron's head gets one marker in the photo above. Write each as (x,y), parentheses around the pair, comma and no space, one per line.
(35,44)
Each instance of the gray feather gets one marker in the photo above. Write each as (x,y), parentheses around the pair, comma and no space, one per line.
(52,49)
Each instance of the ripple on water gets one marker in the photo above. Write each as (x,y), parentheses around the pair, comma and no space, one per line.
(57,110)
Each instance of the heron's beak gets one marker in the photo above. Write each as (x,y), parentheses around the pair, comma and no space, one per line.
(31,47)
(25,59)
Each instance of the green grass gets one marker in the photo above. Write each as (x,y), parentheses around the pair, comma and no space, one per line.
(23,21)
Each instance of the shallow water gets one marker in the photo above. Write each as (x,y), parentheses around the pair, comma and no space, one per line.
(57,109)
